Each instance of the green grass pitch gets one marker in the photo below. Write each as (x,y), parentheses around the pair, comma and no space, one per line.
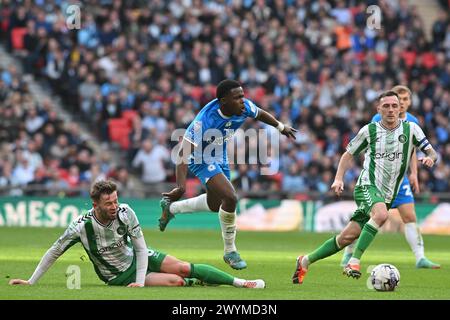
(270,256)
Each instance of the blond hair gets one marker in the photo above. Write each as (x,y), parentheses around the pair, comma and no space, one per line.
(399,89)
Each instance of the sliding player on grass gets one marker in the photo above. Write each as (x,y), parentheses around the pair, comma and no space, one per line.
(111,235)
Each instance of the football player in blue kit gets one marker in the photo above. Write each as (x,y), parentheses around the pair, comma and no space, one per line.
(203,151)
(404,202)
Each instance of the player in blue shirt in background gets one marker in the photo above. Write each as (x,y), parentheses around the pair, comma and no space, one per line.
(404,202)
(203,151)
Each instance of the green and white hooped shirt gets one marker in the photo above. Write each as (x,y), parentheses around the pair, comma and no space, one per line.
(109,247)
(387,154)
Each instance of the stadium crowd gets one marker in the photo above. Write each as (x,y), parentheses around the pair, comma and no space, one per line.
(151,65)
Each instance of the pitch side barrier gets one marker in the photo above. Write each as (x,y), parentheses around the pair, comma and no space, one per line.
(254,214)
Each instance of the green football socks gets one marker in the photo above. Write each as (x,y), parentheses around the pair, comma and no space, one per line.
(368,233)
(210,274)
(327,249)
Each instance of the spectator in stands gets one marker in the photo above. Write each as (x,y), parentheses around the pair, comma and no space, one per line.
(124,183)
(6,177)
(61,148)
(299,58)
(293,182)
(33,122)
(23,172)
(152,158)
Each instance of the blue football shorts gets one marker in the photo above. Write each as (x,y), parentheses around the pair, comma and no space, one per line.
(404,195)
(206,171)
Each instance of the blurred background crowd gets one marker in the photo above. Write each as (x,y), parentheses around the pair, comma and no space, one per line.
(137,70)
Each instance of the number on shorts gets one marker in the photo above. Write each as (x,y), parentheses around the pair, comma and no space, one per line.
(407,189)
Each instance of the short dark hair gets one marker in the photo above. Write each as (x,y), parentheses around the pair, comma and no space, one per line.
(388,93)
(226,86)
(102,187)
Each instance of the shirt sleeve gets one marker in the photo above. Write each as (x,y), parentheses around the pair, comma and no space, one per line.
(251,109)
(420,141)
(134,228)
(68,239)
(359,143)
(140,249)
(194,133)
(139,245)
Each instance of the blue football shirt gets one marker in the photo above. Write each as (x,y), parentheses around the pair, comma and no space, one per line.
(211,129)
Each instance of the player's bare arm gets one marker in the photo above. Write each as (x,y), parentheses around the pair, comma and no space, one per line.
(185,151)
(430,159)
(413,178)
(19,282)
(344,163)
(266,117)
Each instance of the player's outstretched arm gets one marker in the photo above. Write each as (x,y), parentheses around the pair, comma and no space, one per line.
(344,164)
(266,117)
(68,239)
(46,262)
(185,151)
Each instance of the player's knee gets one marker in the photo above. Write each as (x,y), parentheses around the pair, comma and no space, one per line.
(408,218)
(230,198)
(380,217)
(184,269)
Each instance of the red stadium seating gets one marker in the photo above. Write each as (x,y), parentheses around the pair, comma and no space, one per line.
(196,93)
(429,60)
(119,130)
(129,115)
(17,35)
(409,57)
(4,25)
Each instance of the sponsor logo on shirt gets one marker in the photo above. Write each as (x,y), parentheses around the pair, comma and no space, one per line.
(115,245)
(219,140)
(391,156)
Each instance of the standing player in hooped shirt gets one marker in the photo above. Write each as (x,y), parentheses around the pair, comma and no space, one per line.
(387,145)
(203,151)
(404,202)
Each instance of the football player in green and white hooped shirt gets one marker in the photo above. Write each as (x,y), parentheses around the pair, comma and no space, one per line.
(111,235)
(388,145)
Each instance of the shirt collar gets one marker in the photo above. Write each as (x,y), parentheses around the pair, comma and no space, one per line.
(222,115)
